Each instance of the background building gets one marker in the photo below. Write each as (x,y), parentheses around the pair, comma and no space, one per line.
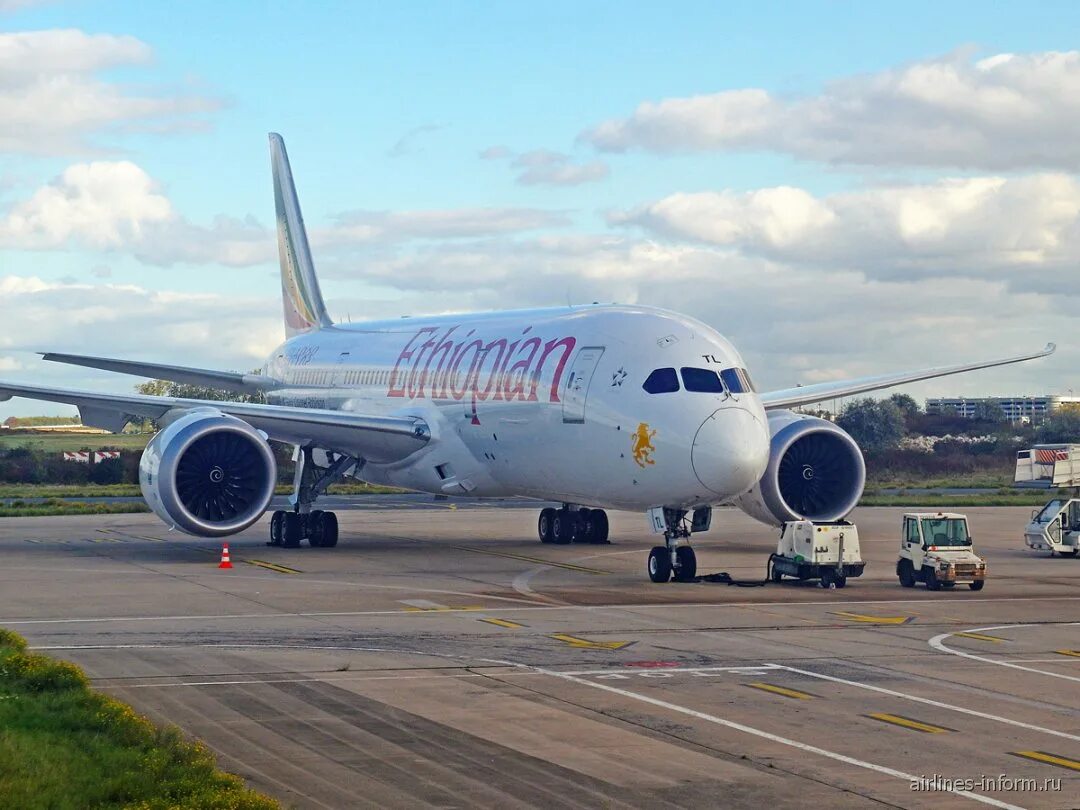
(1015,409)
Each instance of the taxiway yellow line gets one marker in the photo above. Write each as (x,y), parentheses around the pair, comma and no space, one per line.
(859,617)
(1073,653)
(281,569)
(503,623)
(980,637)
(584,643)
(1049,759)
(907,722)
(537,560)
(781,690)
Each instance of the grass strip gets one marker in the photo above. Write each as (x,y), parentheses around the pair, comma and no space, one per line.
(53,507)
(943,502)
(65,746)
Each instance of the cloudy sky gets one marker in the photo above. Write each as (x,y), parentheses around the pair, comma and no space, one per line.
(840,188)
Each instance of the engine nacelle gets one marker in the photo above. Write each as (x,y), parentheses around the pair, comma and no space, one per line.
(208,474)
(816,472)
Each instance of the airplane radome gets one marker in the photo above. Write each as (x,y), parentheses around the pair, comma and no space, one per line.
(595,407)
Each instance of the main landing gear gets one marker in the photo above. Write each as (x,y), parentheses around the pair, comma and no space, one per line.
(675,557)
(318,527)
(567,525)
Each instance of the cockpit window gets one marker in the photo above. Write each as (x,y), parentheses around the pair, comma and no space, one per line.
(703,380)
(662,381)
(737,380)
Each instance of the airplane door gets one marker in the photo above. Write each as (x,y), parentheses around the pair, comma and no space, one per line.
(576,390)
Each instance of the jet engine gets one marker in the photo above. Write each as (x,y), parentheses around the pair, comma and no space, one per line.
(816,472)
(208,474)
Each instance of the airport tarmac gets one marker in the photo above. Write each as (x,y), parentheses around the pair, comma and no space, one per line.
(441,656)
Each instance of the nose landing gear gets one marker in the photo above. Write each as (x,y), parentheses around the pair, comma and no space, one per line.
(569,525)
(675,558)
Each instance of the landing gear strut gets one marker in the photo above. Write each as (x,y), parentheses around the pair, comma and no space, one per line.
(569,525)
(675,557)
(319,527)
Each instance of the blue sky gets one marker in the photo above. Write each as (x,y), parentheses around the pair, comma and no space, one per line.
(388,108)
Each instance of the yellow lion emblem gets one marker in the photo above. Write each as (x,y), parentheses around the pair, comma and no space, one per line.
(643,446)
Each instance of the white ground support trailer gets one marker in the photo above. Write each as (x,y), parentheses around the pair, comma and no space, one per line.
(935,548)
(1055,528)
(1048,466)
(828,552)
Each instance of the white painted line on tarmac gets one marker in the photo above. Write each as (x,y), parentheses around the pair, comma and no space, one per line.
(510,609)
(936,703)
(938,643)
(767,735)
(631,671)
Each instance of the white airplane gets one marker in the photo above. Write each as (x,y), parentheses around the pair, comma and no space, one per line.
(594,407)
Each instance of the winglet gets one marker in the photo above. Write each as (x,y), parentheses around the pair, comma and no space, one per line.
(303,301)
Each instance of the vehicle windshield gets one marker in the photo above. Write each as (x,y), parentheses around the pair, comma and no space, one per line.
(1049,512)
(945,532)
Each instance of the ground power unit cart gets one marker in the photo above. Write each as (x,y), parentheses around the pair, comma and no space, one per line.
(828,552)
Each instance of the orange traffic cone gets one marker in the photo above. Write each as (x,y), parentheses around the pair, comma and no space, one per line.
(225,557)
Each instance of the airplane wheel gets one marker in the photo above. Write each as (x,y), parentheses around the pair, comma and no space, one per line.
(659,564)
(583,525)
(276,520)
(564,527)
(328,529)
(291,530)
(599,526)
(686,570)
(545,525)
(977,585)
(315,527)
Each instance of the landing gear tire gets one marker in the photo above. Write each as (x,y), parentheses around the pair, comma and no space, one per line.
(685,564)
(659,564)
(545,525)
(977,585)
(564,528)
(276,520)
(596,522)
(291,530)
(328,529)
(906,572)
(932,582)
(314,527)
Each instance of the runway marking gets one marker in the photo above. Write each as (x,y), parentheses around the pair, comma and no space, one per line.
(538,560)
(1073,653)
(938,643)
(503,623)
(1049,759)
(281,569)
(907,722)
(981,637)
(781,690)
(586,644)
(700,671)
(929,702)
(767,735)
(858,617)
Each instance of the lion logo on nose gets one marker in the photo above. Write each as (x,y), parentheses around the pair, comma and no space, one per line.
(643,446)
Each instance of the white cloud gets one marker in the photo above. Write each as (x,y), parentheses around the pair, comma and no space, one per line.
(543,167)
(53,102)
(970,226)
(1004,112)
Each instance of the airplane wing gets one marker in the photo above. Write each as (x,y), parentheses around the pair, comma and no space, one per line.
(227,380)
(806,394)
(375,438)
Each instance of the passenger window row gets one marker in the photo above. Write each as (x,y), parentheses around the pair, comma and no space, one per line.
(702,380)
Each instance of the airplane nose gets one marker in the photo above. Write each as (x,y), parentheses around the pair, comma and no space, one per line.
(731,451)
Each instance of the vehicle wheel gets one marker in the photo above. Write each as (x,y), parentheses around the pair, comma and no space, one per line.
(828,578)
(977,585)
(275,527)
(659,564)
(932,582)
(315,527)
(775,575)
(563,527)
(948,585)
(545,523)
(328,530)
(841,582)
(600,527)
(1072,553)
(290,530)
(906,572)
(686,564)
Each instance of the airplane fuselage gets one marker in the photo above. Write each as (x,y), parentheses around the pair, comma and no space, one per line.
(546,403)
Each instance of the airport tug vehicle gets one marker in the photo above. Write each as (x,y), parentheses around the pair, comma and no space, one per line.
(828,552)
(1055,528)
(935,548)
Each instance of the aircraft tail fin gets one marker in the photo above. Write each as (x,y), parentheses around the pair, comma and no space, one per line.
(305,310)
